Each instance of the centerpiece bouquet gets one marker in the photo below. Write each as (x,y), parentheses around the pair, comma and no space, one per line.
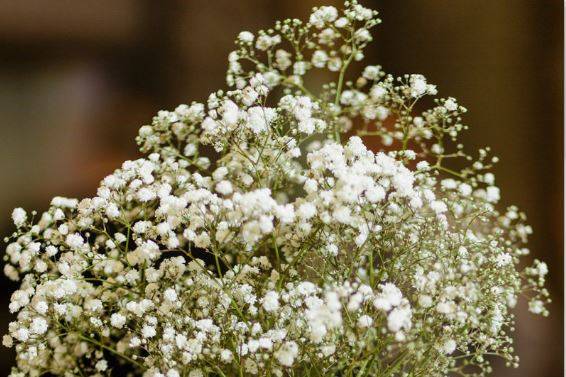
(260,236)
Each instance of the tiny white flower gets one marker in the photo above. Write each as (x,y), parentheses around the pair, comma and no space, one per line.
(19,217)
(39,325)
(449,346)
(170,295)
(246,36)
(117,320)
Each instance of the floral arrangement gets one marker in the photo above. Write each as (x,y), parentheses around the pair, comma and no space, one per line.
(255,238)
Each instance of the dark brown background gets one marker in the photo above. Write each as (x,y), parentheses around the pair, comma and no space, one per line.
(77,78)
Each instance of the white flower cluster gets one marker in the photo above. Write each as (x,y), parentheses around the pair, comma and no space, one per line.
(250,240)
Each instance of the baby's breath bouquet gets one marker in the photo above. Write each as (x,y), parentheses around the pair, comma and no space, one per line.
(256,239)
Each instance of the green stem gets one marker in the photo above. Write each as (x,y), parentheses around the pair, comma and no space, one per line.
(277,253)
(371,274)
(217,261)
(339,89)
(449,171)
(111,350)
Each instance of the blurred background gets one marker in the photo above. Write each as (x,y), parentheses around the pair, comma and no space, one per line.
(78,78)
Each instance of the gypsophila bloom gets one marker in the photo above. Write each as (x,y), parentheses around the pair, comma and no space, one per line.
(19,216)
(254,239)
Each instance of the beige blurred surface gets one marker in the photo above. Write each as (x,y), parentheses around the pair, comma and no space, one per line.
(78,78)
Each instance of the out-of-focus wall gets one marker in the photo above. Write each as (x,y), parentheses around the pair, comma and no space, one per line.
(77,78)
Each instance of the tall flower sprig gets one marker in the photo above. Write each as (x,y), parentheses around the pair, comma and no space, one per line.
(256,239)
